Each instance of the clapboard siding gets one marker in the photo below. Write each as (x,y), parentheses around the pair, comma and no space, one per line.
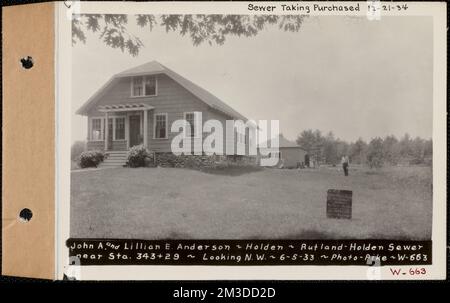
(119,145)
(216,115)
(100,145)
(95,145)
(172,99)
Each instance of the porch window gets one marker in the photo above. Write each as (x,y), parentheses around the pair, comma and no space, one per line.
(96,129)
(120,128)
(160,126)
(143,86)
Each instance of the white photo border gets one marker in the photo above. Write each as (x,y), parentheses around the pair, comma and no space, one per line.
(161,272)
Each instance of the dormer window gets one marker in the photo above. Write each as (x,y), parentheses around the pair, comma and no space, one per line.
(143,86)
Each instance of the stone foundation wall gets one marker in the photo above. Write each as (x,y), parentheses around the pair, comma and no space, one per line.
(203,161)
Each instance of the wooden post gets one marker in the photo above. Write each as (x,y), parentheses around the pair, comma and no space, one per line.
(127,130)
(106,128)
(145,128)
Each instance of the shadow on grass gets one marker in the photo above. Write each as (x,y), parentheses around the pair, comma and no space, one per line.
(232,170)
(304,235)
(373,172)
(320,235)
(310,235)
(175,235)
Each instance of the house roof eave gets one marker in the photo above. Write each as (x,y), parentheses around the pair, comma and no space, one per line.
(83,110)
(199,92)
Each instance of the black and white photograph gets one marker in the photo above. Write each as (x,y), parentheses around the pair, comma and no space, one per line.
(253,139)
(353,99)
(224,141)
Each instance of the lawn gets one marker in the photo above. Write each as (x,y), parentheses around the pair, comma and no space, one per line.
(174,203)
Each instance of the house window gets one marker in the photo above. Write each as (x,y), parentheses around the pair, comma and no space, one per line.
(150,85)
(160,126)
(138,87)
(120,129)
(240,134)
(96,129)
(143,86)
(192,129)
(274,155)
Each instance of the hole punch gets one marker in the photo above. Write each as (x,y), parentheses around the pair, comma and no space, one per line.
(25,215)
(27,62)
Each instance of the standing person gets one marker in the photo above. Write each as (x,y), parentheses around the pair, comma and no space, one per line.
(345,162)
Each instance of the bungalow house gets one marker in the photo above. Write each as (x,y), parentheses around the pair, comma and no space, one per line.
(289,153)
(139,105)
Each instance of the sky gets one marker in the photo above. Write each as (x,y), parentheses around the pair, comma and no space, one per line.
(354,77)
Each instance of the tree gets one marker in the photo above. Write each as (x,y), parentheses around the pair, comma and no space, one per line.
(343,148)
(405,146)
(375,153)
(428,148)
(330,149)
(418,146)
(358,151)
(312,142)
(212,29)
(307,140)
(391,150)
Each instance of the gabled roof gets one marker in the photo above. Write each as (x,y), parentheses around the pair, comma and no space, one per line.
(153,68)
(282,142)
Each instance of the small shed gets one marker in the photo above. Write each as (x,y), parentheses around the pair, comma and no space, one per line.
(291,155)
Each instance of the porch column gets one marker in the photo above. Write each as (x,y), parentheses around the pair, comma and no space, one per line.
(145,128)
(106,128)
(127,130)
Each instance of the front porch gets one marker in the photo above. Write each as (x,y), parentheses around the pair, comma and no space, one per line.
(127,125)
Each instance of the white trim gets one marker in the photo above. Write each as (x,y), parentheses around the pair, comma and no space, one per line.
(113,127)
(104,124)
(143,86)
(141,128)
(154,126)
(106,130)
(145,123)
(132,87)
(90,139)
(122,110)
(127,107)
(196,129)
(127,129)
(195,90)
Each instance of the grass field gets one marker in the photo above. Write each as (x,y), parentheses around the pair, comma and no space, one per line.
(173,203)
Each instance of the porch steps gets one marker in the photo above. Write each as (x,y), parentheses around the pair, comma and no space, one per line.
(114,159)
